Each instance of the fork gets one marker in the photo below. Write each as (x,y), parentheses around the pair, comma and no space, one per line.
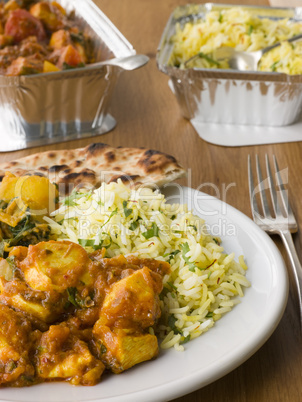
(283,222)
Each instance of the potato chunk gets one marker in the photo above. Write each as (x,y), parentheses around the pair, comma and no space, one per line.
(49,67)
(60,39)
(55,266)
(15,344)
(43,11)
(34,192)
(62,355)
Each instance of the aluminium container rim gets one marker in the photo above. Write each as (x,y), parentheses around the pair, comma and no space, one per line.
(215,73)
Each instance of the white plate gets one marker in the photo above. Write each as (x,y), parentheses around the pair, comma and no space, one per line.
(232,340)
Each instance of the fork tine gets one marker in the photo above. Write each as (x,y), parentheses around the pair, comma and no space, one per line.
(263,199)
(252,189)
(275,202)
(283,192)
(279,224)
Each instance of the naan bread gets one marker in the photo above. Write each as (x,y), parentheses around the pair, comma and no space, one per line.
(98,163)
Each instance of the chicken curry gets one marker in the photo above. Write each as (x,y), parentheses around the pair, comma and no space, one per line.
(66,314)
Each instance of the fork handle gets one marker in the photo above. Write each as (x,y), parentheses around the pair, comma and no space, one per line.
(295,264)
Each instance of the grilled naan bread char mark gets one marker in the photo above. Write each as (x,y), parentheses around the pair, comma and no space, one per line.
(98,163)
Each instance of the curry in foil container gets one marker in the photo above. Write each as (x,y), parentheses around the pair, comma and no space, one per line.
(40,37)
(49,90)
(208,90)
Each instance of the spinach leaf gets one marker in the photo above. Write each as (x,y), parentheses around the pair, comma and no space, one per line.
(23,228)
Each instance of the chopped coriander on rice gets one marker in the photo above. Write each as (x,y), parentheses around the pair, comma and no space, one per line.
(203,280)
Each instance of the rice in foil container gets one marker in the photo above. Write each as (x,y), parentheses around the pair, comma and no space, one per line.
(53,107)
(227,96)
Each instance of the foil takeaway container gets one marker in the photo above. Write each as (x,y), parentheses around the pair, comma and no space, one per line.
(229,96)
(52,107)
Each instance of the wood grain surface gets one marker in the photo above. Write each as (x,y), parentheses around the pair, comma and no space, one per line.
(147,115)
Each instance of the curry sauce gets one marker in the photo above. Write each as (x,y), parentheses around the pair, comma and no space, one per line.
(69,315)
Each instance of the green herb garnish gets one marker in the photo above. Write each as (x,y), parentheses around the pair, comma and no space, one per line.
(172,286)
(103,349)
(250,30)
(67,66)
(208,59)
(72,293)
(111,215)
(209,315)
(173,254)
(127,211)
(273,67)
(185,339)
(152,232)
(185,249)
(78,38)
(171,323)
(133,225)
(88,243)
(71,200)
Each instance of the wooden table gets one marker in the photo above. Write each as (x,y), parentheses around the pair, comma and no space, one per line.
(147,115)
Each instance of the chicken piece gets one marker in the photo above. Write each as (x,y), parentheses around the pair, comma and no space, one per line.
(120,349)
(15,346)
(24,66)
(129,309)
(46,13)
(39,307)
(18,253)
(132,302)
(56,265)
(61,355)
